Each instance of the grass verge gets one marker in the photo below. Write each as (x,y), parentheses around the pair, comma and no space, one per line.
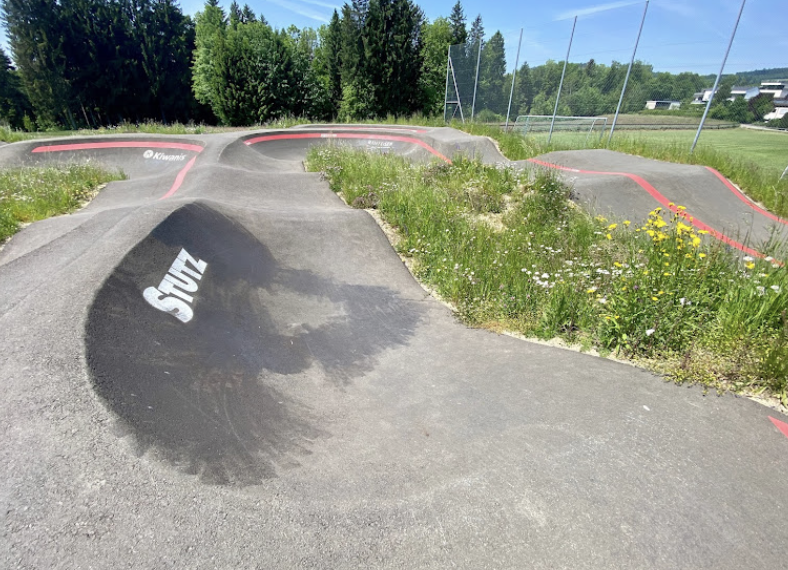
(511,252)
(9,135)
(753,160)
(31,194)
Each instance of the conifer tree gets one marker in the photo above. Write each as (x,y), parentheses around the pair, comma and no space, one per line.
(14,105)
(459,33)
(491,75)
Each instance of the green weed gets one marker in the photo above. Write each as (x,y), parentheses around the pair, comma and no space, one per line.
(31,194)
(510,251)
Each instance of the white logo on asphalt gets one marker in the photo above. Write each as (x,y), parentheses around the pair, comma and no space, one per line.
(165,157)
(171,294)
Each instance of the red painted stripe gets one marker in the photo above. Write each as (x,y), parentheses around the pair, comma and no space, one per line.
(369,128)
(782,426)
(663,201)
(133,144)
(121,144)
(744,198)
(179,179)
(395,138)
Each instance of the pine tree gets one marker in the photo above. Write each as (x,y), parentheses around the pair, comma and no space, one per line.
(491,76)
(34,34)
(332,44)
(14,105)
(459,34)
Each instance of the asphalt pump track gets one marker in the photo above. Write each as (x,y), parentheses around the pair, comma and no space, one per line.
(218,364)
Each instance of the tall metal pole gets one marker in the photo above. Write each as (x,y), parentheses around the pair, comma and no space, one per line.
(514,78)
(476,83)
(719,76)
(446,94)
(784,173)
(561,85)
(629,71)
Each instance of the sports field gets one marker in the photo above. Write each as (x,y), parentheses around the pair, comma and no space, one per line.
(767,149)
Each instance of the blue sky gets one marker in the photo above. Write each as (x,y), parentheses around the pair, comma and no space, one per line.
(679,35)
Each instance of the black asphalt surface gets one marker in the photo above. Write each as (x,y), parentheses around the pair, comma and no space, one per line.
(217,364)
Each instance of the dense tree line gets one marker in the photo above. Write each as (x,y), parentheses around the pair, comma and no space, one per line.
(89,62)
(100,62)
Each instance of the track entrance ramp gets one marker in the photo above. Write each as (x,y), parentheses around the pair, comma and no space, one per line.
(241,373)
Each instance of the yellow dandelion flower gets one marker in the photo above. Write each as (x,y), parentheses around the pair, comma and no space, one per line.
(666,274)
(703,232)
(654,299)
(609,236)
(612,226)
(682,208)
(750,265)
(617,264)
(701,255)
(695,241)
(627,222)
(681,227)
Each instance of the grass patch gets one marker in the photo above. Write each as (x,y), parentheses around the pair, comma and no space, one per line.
(9,135)
(510,251)
(31,194)
(753,160)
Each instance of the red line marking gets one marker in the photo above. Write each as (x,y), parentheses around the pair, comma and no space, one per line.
(121,144)
(396,138)
(133,144)
(179,179)
(782,426)
(662,200)
(745,199)
(368,128)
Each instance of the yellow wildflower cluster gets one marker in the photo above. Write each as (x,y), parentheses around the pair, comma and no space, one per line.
(685,236)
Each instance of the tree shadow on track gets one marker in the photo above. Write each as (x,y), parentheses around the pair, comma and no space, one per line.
(211,395)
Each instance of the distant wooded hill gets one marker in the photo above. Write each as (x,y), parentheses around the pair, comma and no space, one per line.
(755,77)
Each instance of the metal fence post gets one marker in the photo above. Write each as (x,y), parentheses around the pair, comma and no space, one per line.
(629,71)
(561,85)
(784,173)
(476,83)
(514,78)
(719,76)
(446,94)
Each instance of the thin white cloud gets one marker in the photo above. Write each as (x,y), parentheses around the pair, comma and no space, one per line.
(680,8)
(301,10)
(330,5)
(593,9)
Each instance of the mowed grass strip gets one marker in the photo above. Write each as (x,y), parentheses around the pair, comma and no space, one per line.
(510,251)
(31,194)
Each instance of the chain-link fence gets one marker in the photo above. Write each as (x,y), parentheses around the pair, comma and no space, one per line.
(646,67)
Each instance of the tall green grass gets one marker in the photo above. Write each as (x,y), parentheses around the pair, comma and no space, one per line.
(761,182)
(31,194)
(510,251)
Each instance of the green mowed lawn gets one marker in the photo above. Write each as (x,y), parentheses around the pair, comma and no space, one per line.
(767,149)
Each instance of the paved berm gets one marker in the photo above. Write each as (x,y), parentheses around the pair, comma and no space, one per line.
(218,364)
